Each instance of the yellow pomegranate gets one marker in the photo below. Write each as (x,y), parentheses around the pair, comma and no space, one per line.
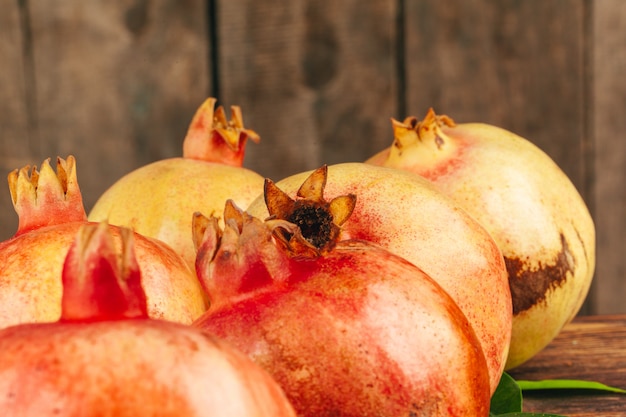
(158,200)
(527,203)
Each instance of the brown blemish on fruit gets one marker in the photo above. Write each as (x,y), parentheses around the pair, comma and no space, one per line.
(529,287)
(439,142)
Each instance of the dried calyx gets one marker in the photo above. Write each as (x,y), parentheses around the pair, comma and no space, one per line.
(242,229)
(411,129)
(249,256)
(317,219)
(43,197)
(213,138)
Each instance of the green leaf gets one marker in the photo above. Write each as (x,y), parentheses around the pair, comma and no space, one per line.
(566,384)
(507,397)
(507,400)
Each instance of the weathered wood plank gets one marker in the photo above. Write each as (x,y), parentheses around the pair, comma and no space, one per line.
(13,109)
(518,65)
(116,83)
(591,348)
(609,124)
(316,80)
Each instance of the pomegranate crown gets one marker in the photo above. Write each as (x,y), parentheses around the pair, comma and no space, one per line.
(100,283)
(252,255)
(410,130)
(244,252)
(212,138)
(306,226)
(318,219)
(240,227)
(43,198)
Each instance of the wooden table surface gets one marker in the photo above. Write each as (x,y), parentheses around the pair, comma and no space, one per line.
(590,348)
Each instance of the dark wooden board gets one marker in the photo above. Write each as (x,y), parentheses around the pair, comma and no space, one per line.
(14,122)
(503,63)
(591,348)
(114,84)
(316,80)
(609,121)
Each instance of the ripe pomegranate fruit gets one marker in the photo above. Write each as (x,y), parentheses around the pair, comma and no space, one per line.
(525,201)
(105,357)
(345,327)
(50,211)
(405,214)
(158,200)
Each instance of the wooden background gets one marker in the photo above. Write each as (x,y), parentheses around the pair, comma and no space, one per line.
(116,83)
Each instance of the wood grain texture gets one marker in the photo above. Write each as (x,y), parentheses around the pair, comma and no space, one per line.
(14,122)
(592,348)
(514,64)
(115,84)
(316,80)
(609,123)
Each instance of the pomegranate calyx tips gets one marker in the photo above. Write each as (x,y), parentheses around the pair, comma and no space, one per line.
(43,197)
(100,282)
(233,132)
(404,133)
(433,119)
(206,232)
(208,237)
(205,228)
(411,131)
(289,236)
(212,138)
(248,260)
(313,187)
(432,123)
(319,220)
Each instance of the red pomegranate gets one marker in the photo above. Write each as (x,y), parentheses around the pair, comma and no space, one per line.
(344,326)
(405,214)
(105,357)
(50,211)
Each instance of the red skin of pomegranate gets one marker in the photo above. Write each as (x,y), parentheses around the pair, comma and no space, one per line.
(354,331)
(105,357)
(407,215)
(137,367)
(51,212)
(174,292)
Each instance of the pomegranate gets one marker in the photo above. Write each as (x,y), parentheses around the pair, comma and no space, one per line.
(158,200)
(345,327)
(527,203)
(405,214)
(50,211)
(105,357)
